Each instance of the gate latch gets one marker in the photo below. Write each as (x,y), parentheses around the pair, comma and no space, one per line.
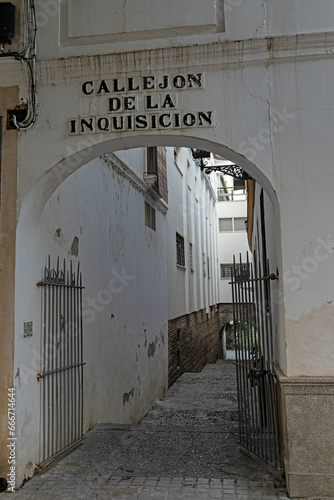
(259,373)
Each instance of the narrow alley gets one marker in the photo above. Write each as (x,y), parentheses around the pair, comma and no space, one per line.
(184,448)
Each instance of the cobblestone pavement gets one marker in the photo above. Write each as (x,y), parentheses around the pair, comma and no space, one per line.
(184,448)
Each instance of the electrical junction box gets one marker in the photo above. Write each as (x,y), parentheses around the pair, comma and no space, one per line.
(7,23)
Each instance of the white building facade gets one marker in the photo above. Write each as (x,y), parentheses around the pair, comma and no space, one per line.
(193,296)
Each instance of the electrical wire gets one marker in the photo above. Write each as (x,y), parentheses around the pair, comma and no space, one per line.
(28,57)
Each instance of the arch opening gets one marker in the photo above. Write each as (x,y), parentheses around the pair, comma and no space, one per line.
(125,272)
(86,151)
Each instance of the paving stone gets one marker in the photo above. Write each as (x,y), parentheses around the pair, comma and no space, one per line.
(185,448)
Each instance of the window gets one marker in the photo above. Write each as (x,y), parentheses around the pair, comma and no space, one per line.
(208,260)
(225,271)
(191,262)
(152,160)
(180,261)
(226,224)
(239,184)
(240,223)
(204,265)
(149,216)
(232,224)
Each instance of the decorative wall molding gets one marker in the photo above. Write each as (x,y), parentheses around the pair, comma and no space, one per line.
(257,50)
(124,171)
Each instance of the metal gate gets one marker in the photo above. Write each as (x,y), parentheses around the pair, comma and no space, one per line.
(61,375)
(256,380)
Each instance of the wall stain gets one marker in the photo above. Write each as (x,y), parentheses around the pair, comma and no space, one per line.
(74,247)
(152,346)
(128,395)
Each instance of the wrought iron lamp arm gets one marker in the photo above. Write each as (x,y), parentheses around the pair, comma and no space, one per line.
(201,158)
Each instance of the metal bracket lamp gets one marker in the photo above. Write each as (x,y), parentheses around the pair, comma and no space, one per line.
(201,158)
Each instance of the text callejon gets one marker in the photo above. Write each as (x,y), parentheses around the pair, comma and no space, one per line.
(141,103)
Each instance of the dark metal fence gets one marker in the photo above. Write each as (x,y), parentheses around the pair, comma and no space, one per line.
(257,383)
(61,375)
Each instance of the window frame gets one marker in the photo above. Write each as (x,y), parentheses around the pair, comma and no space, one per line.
(180,253)
(226,265)
(150,216)
(232,219)
(191,257)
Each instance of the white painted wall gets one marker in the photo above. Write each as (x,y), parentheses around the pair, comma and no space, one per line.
(192,214)
(100,27)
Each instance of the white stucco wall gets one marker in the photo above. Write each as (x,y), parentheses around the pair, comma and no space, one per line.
(192,214)
(65,31)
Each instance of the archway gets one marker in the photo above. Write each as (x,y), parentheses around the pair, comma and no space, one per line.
(33,207)
(86,150)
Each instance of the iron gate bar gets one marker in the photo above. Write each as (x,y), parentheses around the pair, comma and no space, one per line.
(261,352)
(62,364)
(42,374)
(256,379)
(265,357)
(244,347)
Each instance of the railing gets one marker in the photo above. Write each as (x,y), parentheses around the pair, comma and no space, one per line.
(231,194)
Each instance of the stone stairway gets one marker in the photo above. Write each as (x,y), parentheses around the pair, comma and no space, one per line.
(208,398)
